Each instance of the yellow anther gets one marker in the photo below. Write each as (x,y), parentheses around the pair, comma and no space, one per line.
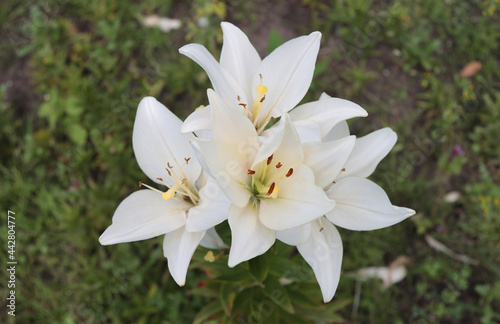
(209,257)
(261,89)
(170,193)
(274,193)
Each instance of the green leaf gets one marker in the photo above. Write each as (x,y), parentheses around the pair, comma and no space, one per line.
(210,309)
(274,41)
(297,297)
(73,106)
(259,268)
(277,293)
(227,296)
(242,302)
(235,276)
(77,133)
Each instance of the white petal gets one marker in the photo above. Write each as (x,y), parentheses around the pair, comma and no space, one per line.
(238,56)
(211,211)
(157,141)
(231,125)
(212,240)
(249,237)
(327,112)
(283,143)
(200,119)
(227,167)
(299,201)
(368,151)
(178,248)
(287,73)
(338,131)
(143,215)
(222,81)
(295,236)
(363,206)
(323,252)
(327,159)
(308,131)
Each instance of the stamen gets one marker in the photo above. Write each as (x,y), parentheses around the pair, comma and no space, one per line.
(333,182)
(258,102)
(238,97)
(290,172)
(271,188)
(187,160)
(321,223)
(169,166)
(169,173)
(251,171)
(279,165)
(149,187)
(343,169)
(170,193)
(269,159)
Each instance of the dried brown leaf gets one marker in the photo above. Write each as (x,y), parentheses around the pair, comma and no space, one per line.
(470,69)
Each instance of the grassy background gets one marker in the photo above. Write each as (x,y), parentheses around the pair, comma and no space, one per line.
(72,74)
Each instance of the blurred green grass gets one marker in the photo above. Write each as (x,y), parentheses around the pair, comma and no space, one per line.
(72,74)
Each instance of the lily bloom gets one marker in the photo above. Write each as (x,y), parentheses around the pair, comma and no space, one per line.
(361,205)
(190,206)
(265,178)
(260,89)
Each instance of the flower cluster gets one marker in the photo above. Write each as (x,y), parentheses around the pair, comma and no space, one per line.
(272,172)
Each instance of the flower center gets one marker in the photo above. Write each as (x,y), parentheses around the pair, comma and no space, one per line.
(258,119)
(265,178)
(182,190)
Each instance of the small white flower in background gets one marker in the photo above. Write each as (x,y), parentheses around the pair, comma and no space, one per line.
(187,211)
(260,89)
(165,24)
(268,183)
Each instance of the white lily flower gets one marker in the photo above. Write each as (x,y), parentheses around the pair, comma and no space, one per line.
(360,204)
(261,89)
(268,183)
(187,211)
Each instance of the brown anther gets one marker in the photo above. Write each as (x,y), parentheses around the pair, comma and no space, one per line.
(169,173)
(279,165)
(159,179)
(242,104)
(333,182)
(290,172)
(272,119)
(251,171)
(269,159)
(343,169)
(262,100)
(271,188)
(168,164)
(321,229)
(260,75)
(239,98)
(140,184)
(186,198)
(187,160)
